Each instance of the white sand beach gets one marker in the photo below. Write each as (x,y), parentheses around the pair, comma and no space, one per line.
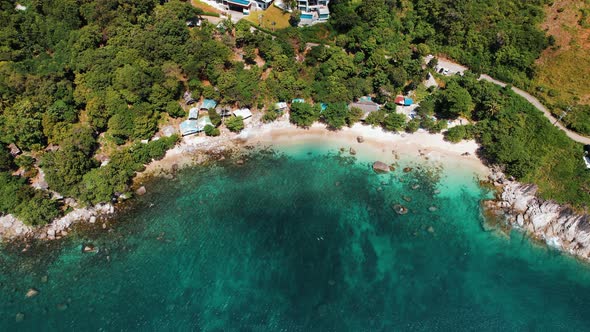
(377,145)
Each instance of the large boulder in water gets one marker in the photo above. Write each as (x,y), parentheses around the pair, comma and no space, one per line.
(380,167)
(141,191)
(32,292)
(400,209)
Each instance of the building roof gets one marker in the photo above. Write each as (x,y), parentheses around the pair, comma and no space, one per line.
(324,11)
(193,113)
(366,107)
(14,149)
(243,112)
(281,105)
(408,101)
(400,100)
(202,122)
(298,100)
(242,3)
(208,104)
(188,98)
(188,127)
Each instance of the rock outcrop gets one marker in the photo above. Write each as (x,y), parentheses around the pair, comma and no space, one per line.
(380,167)
(11,227)
(558,225)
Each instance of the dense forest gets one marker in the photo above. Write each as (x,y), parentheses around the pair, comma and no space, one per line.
(85,84)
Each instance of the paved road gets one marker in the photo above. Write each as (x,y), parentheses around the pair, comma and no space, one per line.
(455,68)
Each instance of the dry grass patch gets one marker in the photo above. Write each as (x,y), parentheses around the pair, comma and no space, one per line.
(205,7)
(564,69)
(266,18)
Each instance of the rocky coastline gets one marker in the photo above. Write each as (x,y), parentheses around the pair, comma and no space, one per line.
(559,226)
(12,228)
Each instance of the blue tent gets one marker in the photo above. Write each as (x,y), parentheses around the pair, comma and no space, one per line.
(208,104)
(408,101)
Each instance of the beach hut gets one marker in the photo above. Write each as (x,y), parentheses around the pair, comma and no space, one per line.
(193,113)
(224,112)
(202,122)
(400,100)
(367,107)
(281,106)
(188,98)
(188,127)
(298,100)
(408,101)
(243,112)
(208,104)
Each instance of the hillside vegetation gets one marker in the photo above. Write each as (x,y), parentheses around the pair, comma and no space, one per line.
(81,79)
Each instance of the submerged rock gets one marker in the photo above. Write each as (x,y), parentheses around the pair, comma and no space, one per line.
(432,208)
(400,209)
(62,306)
(407,169)
(20,317)
(32,292)
(89,248)
(380,167)
(407,198)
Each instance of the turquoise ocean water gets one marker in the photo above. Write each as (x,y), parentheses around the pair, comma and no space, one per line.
(303,241)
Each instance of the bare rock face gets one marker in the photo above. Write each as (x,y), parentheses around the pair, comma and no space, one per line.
(558,225)
(380,167)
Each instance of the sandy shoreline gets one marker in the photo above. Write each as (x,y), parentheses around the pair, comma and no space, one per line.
(378,145)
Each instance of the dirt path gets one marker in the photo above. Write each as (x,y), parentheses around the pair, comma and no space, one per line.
(455,68)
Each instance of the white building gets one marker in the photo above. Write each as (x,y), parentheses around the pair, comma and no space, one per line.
(313,11)
(243,112)
(245,6)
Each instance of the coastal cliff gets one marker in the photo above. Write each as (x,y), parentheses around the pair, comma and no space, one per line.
(558,225)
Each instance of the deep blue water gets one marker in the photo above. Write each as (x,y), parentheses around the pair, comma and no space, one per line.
(298,242)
